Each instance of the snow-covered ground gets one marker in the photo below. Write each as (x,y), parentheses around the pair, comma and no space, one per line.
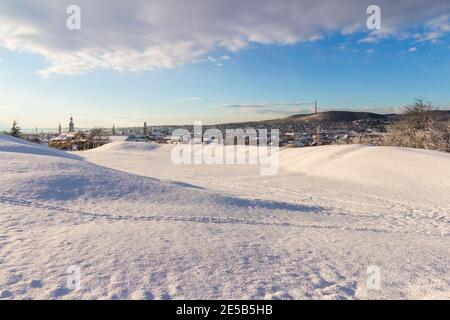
(139,227)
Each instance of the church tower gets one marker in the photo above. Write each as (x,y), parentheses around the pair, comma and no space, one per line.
(145,129)
(71,125)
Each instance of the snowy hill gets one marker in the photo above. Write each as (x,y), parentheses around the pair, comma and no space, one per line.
(407,172)
(141,227)
(126,146)
(332,116)
(16,145)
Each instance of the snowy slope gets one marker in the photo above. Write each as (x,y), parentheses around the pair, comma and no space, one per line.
(410,172)
(16,145)
(125,146)
(140,227)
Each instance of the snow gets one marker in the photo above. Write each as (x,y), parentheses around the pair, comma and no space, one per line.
(125,146)
(16,145)
(140,227)
(412,173)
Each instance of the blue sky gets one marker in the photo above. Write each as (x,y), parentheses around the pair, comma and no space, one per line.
(255,75)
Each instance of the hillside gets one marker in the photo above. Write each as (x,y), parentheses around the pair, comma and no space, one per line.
(332,116)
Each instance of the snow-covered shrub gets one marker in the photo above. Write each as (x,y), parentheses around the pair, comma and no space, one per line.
(420,127)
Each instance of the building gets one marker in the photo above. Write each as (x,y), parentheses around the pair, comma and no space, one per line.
(145,131)
(70,141)
(77,140)
(71,125)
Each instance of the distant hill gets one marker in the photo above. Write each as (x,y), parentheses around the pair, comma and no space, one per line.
(334,116)
(331,116)
(327,116)
(444,114)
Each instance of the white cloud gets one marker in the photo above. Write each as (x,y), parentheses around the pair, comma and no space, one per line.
(412,49)
(145,35)
(8,108)
(435,29)
(193,99)
(216,61)
(376,36)
(352,28)
(273,108)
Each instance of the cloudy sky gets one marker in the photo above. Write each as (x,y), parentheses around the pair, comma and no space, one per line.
(175,61)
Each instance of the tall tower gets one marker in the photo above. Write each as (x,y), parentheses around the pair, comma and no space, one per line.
(71,125)
(145,129)
(59,128)
(315,107)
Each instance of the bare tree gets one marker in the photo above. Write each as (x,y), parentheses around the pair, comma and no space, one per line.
(95,136)
(420,127)
(15,130)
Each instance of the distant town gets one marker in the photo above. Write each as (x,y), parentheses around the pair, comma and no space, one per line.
(304,130)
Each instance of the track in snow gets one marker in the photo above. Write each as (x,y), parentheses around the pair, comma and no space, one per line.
(193,219)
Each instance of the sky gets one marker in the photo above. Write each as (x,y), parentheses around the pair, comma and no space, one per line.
(216,61)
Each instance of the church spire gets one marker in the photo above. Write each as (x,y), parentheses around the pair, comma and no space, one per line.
(71,125)
(145,129)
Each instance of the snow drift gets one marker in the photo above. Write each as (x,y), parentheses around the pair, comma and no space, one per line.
(139,227)
(126,146)
(16,145)
(410,172)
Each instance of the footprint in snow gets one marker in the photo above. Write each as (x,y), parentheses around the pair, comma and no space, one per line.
(59,292)
(148,295)
(5,294)
(36,283)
